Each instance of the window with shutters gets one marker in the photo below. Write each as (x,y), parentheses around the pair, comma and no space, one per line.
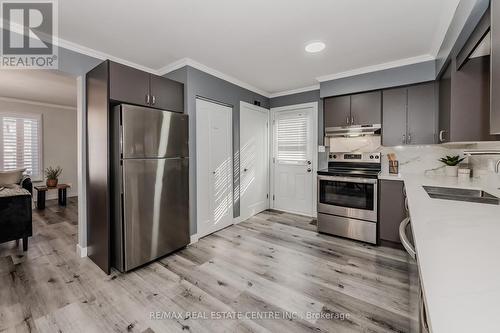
(20,143)
(292,140)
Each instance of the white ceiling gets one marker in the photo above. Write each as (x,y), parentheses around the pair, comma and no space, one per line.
(41,86)
(260,42)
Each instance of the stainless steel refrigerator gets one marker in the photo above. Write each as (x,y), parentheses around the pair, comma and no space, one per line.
(150,185)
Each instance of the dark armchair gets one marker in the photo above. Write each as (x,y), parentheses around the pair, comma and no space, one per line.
(15,213)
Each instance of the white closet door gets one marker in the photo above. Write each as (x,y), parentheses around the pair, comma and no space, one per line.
(214,167)
(254,162)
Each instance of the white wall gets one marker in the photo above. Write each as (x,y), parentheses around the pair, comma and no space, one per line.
(59,138)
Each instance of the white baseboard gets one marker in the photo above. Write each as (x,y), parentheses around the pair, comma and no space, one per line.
(237,220)
(81,251)
(194,239)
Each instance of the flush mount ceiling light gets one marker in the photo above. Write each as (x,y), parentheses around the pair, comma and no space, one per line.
(315,47)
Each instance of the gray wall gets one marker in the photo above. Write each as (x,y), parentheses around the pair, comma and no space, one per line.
(198,83)
(393,77)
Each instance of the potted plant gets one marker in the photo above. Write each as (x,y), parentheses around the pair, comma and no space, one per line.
(52,175)
(451,167)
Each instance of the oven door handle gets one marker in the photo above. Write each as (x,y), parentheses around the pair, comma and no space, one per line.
(349,179)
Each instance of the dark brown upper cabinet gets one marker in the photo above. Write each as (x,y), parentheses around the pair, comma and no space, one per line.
(337,111)
(444,106)
(357,109)
(136,87)
(409,115)
(466,112)
(366,108)
(422,113)
(464,102)
(394,117)
(128,84)
(166,94)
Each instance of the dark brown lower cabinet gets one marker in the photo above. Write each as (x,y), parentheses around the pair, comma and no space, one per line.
(391,211)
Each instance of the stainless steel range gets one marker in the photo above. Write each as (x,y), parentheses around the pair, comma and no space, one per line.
(348,196)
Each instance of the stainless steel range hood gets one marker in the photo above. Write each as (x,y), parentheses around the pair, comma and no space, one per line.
(353,131)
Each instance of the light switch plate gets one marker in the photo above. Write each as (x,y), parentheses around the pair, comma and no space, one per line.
(321,149)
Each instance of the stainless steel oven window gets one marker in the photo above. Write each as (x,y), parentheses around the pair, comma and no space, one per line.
(347,194)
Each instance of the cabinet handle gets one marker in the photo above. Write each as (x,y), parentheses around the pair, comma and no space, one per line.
(409,138)
(352,120)
(404,138)
(147,98)
(347,120)
(404,239)
(153,100)
(441,135)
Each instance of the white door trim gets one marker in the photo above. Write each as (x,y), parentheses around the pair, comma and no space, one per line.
(314,106)
(199,234)
(81,247)
(269,152)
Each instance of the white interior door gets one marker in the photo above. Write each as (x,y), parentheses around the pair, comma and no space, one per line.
(213,167)
(254,160)
(293,158)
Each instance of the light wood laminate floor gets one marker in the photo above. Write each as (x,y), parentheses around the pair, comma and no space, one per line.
(271,266)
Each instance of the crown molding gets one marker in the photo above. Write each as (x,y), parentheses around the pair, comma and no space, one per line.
(209,70)
(60,42)
(294,91)
(31,102)
(101,55)
(376,68)
(173,66)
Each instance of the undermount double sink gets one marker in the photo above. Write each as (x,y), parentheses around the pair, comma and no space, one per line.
(461,194)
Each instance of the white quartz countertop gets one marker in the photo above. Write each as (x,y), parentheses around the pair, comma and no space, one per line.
(458,254)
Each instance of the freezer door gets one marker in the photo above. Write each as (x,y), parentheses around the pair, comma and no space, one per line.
(155,208)
(151,133)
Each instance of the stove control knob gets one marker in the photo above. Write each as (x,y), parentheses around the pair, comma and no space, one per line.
(331,155)
(334,156)
(377,157)
(371,157)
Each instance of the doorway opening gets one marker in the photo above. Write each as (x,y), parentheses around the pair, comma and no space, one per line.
(39,140)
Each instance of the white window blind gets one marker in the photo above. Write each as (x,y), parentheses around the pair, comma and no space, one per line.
(20,143)
(292,138)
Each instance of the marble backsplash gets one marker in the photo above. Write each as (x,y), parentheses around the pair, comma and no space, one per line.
(421,158)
